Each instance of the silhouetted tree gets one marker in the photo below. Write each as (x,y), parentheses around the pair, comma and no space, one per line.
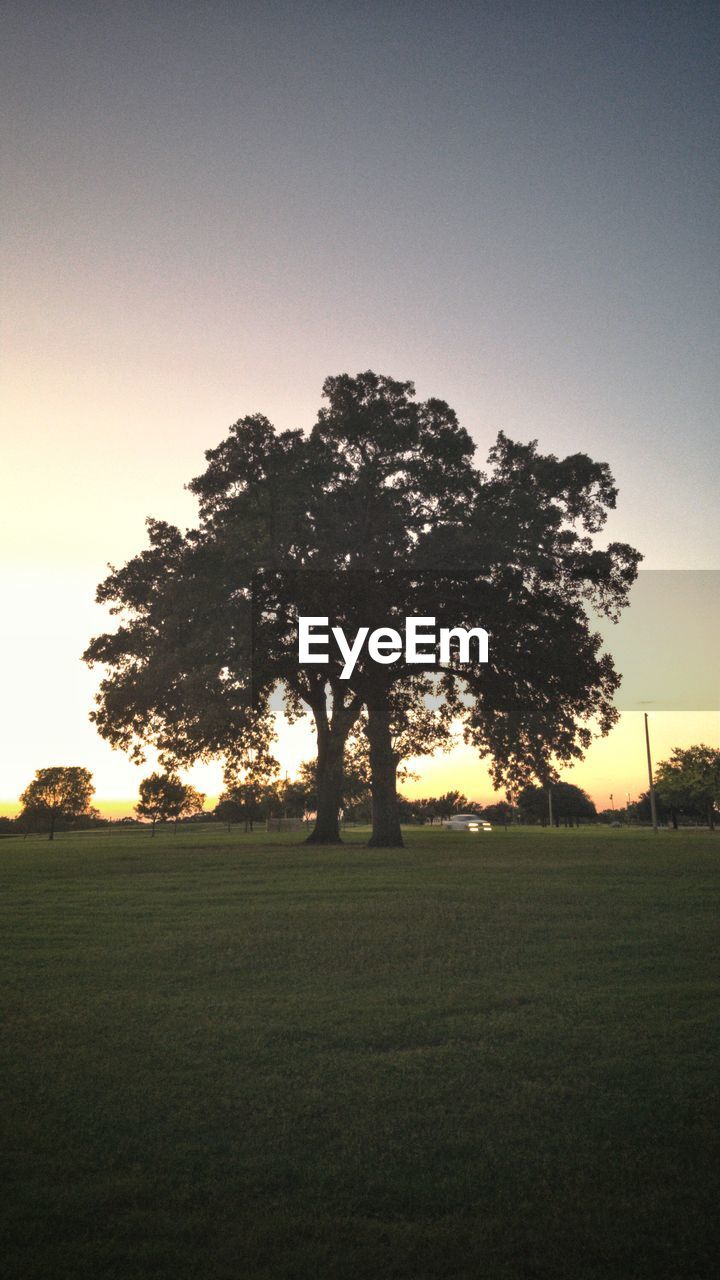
(253,785)
(690,780)
(60,792)
(164,797)
(428,808)
(246,801)
(569,804)
(228,809)
(378,515)
(451,802)
(501,811)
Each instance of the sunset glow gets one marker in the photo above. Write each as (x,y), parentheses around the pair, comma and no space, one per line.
(184,245)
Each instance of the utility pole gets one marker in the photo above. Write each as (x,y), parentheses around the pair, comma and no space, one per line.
(653,807)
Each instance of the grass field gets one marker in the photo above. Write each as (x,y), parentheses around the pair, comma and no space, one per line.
(482,1057)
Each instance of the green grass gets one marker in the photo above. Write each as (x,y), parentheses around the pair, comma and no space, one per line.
(485,1057)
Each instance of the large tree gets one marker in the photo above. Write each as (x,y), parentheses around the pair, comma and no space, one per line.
(378,515)
(689,781)
(62,792)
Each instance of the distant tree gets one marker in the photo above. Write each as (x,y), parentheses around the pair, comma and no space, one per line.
(608,816)
(449,803)
(228,809)
(690,780)
(669,808)
(293,799)
(246,800)
(533,804)
(252,785)
(570,804)
(163,797)
(501,812)
(426,808)
(640,810)
(62,792)
(408,809)
(8,826)
(91,818)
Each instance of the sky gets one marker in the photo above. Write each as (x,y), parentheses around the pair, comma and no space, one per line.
(209,207)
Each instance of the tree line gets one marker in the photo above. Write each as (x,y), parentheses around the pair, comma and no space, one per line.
(687,788)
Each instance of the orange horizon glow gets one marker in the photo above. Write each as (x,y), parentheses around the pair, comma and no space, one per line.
(615,765)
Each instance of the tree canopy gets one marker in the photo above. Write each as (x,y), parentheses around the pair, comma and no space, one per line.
(164,797)
(378,514)
(59,792)
(690,781)
(569,804)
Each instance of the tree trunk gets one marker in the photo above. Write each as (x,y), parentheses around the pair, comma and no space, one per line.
(386,833)
(331,748)
(332,734)
(51,836)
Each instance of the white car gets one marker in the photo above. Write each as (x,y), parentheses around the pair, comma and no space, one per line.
(467,822)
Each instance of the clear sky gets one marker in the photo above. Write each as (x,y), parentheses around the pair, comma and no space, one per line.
(208,207)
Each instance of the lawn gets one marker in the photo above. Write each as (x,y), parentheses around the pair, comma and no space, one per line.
(229,1056)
